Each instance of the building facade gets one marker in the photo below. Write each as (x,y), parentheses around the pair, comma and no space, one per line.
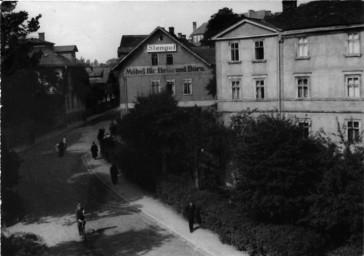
(164,62)
(305,62)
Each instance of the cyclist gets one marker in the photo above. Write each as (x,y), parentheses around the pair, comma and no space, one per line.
(81,220)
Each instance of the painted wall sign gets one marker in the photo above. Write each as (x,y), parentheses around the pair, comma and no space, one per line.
(158,70)
(161,47)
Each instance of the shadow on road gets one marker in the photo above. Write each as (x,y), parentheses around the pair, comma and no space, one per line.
(132,242)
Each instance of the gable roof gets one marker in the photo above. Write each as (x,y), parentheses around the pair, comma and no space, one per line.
(207,52)
(173,37)
(38,42)
(320,14)
(99,75)
(66,48)
(257,22)
(200,30)
(128,42)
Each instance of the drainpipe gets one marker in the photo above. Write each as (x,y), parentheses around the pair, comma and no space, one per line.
(280,73)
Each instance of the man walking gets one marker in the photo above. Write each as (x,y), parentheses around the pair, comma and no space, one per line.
(114,174)
(94,150)
(190,211)
(81,219)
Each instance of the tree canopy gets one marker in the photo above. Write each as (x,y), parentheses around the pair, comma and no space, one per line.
(221,20)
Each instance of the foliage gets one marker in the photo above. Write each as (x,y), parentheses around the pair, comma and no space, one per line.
(211,87)
(23,244)
(221,20)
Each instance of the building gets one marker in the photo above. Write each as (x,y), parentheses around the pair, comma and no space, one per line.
(305,62)
(165,62)
(60,72)
(197,33)
(104,89)
(127,44)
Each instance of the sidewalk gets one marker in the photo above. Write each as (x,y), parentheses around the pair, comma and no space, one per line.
(57,132)
(164,215)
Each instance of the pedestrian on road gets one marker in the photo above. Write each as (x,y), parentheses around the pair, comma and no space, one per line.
(114,174)
(61,146)
(112,129)
(190,211)
(101,134)
(81,219)
(94,150)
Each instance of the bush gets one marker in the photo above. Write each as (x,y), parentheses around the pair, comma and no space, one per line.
(23,244)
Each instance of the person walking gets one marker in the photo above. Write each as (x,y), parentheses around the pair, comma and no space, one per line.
(101,134)
(61,146)
(81,219)
(114,174)
(94,150)
(190,211)
(112,129)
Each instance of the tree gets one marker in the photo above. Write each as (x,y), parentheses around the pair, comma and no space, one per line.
(221,20)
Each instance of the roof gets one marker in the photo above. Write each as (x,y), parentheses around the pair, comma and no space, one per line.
(99,75)
(50,58)
(37,41)
(200,30)
(206,52)
(173,37)
(66,48)
(320,14)
(261,14)
(128,42)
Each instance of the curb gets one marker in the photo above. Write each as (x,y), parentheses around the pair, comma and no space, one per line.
(84,159)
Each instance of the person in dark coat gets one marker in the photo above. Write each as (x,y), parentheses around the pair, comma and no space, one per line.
(112,129)
(80,218)
(190,211)
(62,145)
(101,134)
(114,174)
(94,150)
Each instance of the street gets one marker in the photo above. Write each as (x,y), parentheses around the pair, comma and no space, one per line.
(50,189)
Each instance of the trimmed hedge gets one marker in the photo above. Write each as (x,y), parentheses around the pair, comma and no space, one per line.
(234,228)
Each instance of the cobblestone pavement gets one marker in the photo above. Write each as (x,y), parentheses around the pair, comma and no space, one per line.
(50,188)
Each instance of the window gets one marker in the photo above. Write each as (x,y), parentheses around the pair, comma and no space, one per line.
(259,87)
(154,59)
(353,86)
(187,86)
(234,49)
(302,87)
(302,47)
(235,89)
(305,124)
(155,86)
(353,44)
(259,50)
(170,87)
(169,59)
(353,130)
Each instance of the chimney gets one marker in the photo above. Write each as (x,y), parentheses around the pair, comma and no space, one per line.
(171,30)
(194,26)
(288,5)
(41,36)
(179,35)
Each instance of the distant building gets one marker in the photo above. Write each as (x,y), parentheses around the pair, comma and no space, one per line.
(60,71)
(262,14)
(306,62)
(165,62)
(198,33)
(127,44)
(104,89)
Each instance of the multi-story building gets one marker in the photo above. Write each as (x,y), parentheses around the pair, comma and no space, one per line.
(165,62)
(306,62)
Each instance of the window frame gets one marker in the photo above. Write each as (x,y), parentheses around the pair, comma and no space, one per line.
(171,59)
(173,87)
(256,80)
(305,123)
(297,78)
(352,42)
(348,129)
(154,59)
(233,85)
(351,76)
(301,46)
(234,51)
(189,82)
(153,86)
(258,49)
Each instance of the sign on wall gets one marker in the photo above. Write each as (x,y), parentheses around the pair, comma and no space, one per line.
(159,70)
(161,47)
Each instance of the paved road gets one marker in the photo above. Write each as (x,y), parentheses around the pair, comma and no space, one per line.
(50,188)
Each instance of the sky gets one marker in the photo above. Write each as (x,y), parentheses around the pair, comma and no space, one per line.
(96,27)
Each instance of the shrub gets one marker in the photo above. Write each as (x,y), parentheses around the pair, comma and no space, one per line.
(23,244)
